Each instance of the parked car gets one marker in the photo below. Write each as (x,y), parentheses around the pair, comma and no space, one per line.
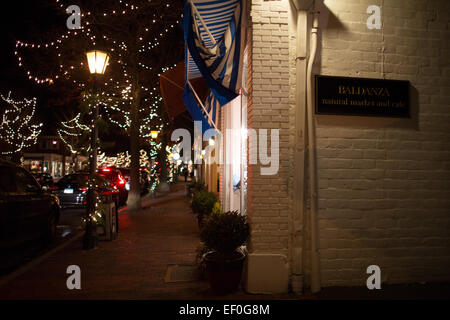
(115,177)
(144,178)
(127,176)
(44,178)
(27,212)
(72,189)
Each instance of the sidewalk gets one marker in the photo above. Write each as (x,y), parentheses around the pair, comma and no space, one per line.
(134,266)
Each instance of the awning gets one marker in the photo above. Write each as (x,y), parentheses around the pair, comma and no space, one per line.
(212,32)
(172,84)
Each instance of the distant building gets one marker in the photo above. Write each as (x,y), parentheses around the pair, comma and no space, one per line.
(50,155)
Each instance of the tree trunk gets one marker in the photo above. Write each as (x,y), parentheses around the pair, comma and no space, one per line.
(134,195)
(163,158)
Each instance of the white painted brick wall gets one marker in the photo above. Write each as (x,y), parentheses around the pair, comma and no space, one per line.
(268,108)
(384,184)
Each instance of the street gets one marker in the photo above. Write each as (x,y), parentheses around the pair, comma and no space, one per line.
(68,226)
(69,222)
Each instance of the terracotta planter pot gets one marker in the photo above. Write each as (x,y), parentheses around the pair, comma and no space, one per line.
(224,271)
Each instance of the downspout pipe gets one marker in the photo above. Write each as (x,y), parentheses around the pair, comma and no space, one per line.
(297,234)
(315,273)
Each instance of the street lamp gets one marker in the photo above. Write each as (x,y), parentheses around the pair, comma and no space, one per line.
(97,61)
(154,134)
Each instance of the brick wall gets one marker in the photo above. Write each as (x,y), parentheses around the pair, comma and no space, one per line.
(268,108)
(384,184)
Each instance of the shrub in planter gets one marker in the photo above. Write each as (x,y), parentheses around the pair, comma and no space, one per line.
(224,233)
(217,209)
(203,204)
(195,186)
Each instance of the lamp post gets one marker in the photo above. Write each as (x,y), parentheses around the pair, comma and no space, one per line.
(97,61)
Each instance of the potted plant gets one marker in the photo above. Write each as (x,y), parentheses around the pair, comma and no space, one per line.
(200,252)
(195,186)
(203,204)
(224,233)
(202,248)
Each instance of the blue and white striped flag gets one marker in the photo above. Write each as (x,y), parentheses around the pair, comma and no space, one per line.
(207,117)
(212,31)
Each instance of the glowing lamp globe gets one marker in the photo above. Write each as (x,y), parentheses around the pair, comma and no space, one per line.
(98,61)
(154,134)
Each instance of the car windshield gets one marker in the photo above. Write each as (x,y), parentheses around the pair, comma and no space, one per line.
(79,181)
(73,180)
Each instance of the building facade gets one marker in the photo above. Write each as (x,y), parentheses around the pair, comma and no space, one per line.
(350,191)
(382,184)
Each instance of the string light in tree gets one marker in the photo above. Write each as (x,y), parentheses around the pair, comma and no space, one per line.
(16,130)
(98,216)
(122,8)
(73,130)
(116,97)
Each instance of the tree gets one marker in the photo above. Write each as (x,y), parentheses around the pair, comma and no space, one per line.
(75,135)
(142,39)
(143,67)
(17,130)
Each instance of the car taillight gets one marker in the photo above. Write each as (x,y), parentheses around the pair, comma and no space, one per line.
(53,188)
(121,180)
(83,189)
(106,169)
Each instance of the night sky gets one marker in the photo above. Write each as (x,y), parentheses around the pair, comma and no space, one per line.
(28,21)
(31,20)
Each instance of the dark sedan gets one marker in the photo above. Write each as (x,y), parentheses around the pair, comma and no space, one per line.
(44,179)
(26,211)
(72,189)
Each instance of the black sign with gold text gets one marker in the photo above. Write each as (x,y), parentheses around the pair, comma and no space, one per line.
(362,96)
